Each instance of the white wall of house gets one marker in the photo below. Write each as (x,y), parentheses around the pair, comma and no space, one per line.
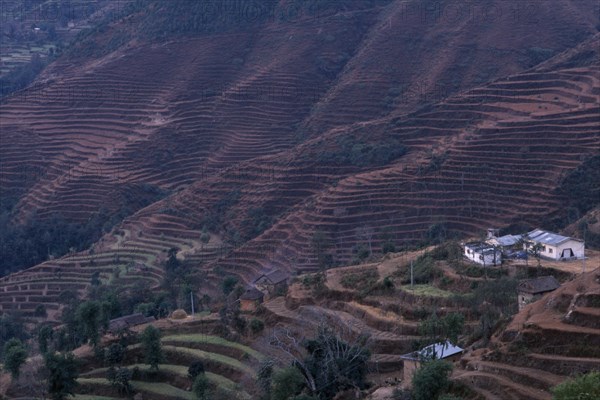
(569,249)
(479,258)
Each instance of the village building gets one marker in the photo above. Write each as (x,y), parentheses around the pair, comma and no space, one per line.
(504,242)
(127,322)
(483,253)
(437,351)
(531,289)
(273,283)
(251,299)
(555,246)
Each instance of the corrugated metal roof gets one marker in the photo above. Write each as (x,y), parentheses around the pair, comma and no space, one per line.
(508,240)
(545,237)
(436,351)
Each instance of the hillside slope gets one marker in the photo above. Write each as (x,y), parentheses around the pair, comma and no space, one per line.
(301,127)
(556,337)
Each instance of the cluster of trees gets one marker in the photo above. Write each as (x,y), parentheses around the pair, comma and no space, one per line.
(22,246)
(357,151)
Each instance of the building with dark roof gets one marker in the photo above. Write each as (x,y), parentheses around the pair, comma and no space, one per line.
(531,289)
(251,299)
(272,283)
(127,322)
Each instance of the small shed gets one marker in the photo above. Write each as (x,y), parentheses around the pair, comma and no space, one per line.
(437,351)
(273,283)
(483,253)
(530,289)
(250,299)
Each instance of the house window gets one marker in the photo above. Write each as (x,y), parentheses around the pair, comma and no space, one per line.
(481,257)
(549,250)
(544,248)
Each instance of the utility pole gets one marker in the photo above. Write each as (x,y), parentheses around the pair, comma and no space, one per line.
(584,257)
(192,299)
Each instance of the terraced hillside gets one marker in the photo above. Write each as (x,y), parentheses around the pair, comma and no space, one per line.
(230,367)
(301,127)
(550,340)
(459,173)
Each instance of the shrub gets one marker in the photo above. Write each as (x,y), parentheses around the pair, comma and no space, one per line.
(15,356)
(256,325)
(201,387)
(584,387)
(228,284)
(287,382)
(364,279)
(196,368)
(431,379)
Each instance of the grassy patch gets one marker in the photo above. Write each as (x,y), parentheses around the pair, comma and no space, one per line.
(208,339)
(205,355)
(427,291)
(362,279)
(161,389)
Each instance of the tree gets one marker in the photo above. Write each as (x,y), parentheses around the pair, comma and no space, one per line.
(201,387)
(228,284)
(114,354)
(437,329)
(152,348)
(264,378)
(195,369)
(89,316)
(45,334)
(327,363)
(584,387)
(431,379)
(62,375)
(287,382)
(536,252)
(120,378)
(15,355)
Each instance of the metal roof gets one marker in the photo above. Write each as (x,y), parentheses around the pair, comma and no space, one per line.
(436,351)
(507,240)
(481,248)
(545,237)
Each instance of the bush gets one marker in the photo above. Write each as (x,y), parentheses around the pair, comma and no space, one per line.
(431,380)
(256,325)
(585,387)
(195,369)
(364,279)
(287,382)
(15,356)
(228,284)
(201,387)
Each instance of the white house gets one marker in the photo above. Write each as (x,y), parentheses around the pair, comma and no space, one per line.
(483,253)
(555,246)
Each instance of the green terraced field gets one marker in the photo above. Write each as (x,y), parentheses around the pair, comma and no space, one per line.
(161,389)
(208,339)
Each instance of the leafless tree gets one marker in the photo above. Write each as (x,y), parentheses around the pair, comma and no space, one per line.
(329,348)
